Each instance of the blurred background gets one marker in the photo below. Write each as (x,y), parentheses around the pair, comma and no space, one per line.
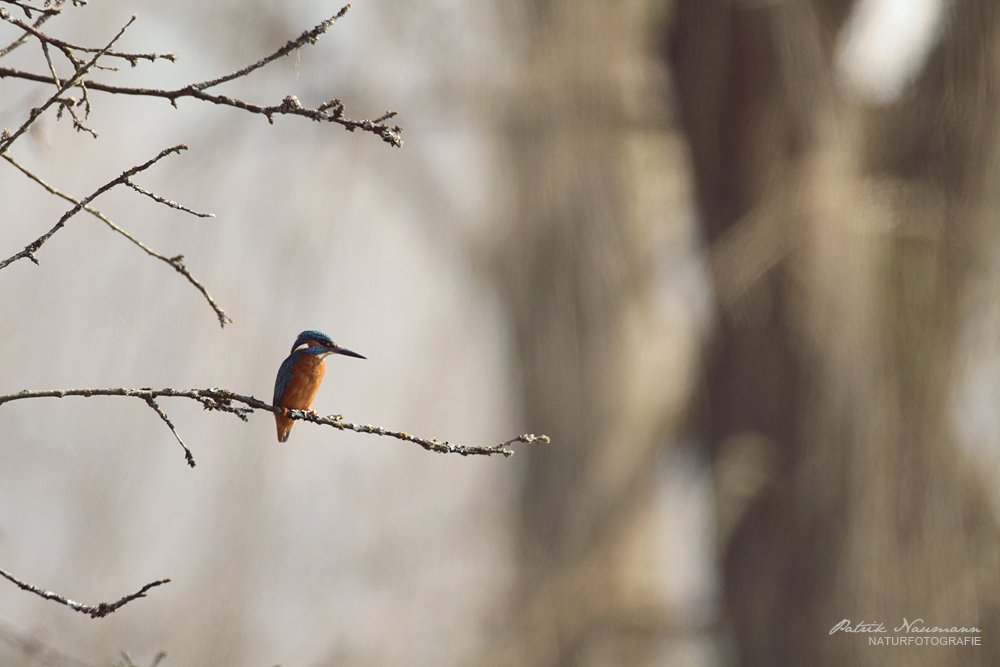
(738,259)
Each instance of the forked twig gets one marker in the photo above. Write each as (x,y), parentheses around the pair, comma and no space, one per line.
(176,262)
(30,249)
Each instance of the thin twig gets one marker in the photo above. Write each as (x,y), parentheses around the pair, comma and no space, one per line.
(177,262)
(151,402)
(48,60)
(223,400)
(67,103)
(7,139)
(31,248)
(94,611)
(308,37)
(166,202)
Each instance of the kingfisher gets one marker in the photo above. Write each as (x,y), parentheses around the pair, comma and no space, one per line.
(300,376)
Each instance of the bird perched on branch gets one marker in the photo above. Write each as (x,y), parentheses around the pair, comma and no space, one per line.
(300,376)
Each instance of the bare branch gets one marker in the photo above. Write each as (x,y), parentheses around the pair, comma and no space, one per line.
(331,112)
(223,399)
(289,106)
(176,262)
(68,49)
(31,248)
(24,38)
(7,139)
(97,611)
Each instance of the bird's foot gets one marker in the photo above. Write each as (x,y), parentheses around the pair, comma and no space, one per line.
(285,411)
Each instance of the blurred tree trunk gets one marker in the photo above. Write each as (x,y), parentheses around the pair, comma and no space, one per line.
(586,135)
(842,239)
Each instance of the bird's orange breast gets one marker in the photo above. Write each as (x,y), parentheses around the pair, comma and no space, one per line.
(307,374)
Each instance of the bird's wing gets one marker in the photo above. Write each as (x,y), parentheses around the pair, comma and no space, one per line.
(284,375)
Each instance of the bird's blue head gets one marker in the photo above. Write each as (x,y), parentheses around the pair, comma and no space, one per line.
(318,343)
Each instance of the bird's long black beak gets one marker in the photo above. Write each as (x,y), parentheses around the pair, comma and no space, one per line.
(344,351)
